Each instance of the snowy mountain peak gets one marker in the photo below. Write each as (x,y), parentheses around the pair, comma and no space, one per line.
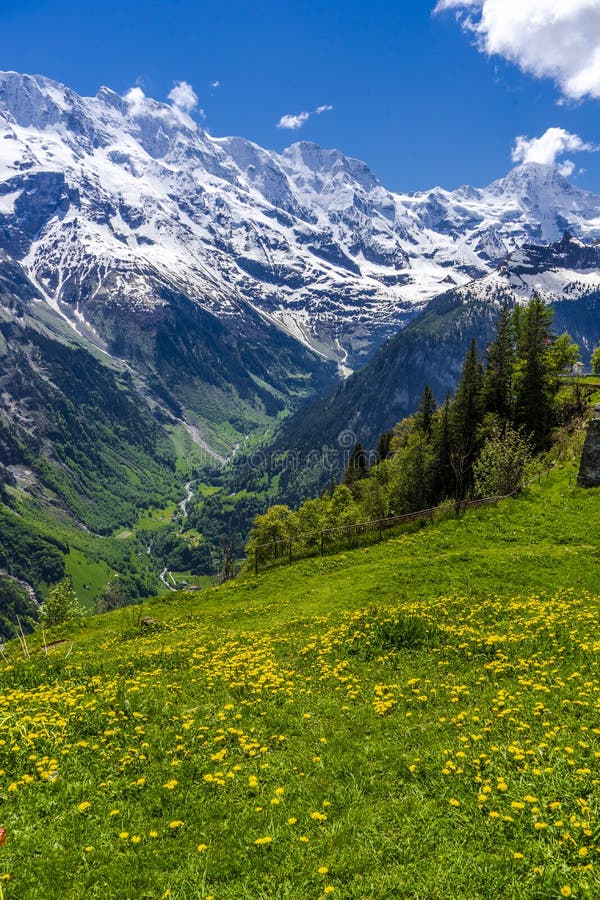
(122,202)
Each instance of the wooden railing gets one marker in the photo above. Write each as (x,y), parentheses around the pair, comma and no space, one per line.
(328,540)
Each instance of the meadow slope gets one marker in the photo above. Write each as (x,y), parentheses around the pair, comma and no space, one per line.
(415,719)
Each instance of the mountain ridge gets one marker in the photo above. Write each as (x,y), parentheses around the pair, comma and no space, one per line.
(125,194)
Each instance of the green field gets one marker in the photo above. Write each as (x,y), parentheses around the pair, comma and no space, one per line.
(414,719)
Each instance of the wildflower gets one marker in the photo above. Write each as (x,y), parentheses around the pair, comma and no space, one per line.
(565,891)
(123,835)
(202,847)
(263,841)
(83,806)
(114,812)
(153,834)
(292,820)
(172,783)
(135,839)
(454,802)
(175,824)
(328,889)
(322,870)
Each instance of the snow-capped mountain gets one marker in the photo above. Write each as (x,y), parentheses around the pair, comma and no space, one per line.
(115,205)
(568,269)
(431,350)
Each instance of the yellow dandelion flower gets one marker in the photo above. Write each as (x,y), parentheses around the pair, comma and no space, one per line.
(328,889)
(202,847)
(322,870)
(176,823)
(169,785)
(123,835)
(114,812)
(153,834)
(565,891)
(83,806)
(454,802)
(292,820)
(135,838)
(263,841)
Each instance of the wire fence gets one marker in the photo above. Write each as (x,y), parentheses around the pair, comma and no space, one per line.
(331,540)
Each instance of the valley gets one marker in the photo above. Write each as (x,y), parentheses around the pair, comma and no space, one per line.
(176,307)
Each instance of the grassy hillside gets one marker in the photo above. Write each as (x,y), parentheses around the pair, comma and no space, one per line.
(414,719)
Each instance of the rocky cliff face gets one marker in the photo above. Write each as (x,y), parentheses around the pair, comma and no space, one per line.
(589,469)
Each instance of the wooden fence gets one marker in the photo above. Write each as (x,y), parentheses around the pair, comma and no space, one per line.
(331,540)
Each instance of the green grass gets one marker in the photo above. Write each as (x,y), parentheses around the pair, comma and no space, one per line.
(88,577)
(152,519)
(415,719)
(188,454)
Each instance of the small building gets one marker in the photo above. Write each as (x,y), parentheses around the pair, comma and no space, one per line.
(578,368)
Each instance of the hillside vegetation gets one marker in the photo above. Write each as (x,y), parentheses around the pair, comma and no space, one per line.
(506,419)
(414,719)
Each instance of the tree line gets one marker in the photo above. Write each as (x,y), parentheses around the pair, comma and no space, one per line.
(478,442)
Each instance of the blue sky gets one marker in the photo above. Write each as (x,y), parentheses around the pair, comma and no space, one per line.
(411,94)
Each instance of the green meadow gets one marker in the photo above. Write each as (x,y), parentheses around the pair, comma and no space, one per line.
(414,719)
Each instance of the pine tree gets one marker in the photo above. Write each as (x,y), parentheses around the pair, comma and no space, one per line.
(466,417)
(535,376)
(467,408)
(517,322)
(444,478)
(357,466)
(383,445)
(426,411)
(498,378)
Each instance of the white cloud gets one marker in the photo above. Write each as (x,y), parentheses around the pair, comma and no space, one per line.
(566,167)
(140,105)
(215,84)
(548,148)
(183,96)
(297,121)
(292,121)
(136,100)
(557,39)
